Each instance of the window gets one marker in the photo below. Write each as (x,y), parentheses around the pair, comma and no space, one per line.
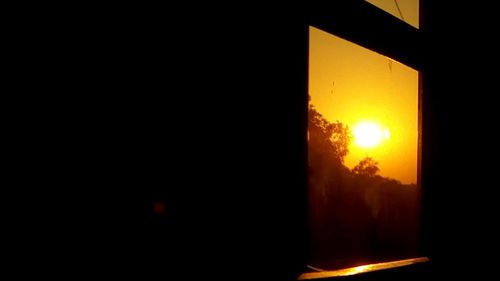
(363,153)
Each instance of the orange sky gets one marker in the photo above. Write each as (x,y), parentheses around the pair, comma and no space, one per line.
(350,84)
(409,9)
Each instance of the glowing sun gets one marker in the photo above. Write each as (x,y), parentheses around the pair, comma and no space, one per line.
(369,134)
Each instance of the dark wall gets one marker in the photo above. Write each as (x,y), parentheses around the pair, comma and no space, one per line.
(202,115)
(459,110)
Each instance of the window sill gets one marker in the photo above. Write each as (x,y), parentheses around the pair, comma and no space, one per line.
(361,269)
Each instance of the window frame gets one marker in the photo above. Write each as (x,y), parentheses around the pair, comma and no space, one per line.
(366,25)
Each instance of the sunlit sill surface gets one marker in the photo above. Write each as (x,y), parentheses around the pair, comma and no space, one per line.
(361,269)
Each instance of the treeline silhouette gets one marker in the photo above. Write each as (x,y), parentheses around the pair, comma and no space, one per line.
(356,216)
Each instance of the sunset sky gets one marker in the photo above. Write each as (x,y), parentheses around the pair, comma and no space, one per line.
(353,85)
(409,9)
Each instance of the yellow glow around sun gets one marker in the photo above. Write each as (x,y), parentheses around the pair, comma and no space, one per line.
(369,134)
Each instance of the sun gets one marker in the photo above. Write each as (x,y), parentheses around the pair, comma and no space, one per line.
(369,134)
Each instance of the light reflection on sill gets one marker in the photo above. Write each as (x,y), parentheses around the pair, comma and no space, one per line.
(361,269)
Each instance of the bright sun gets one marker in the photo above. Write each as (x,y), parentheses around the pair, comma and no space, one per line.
(369,134)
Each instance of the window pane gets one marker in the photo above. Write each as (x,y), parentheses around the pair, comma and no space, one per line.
(405,10)
(362,150)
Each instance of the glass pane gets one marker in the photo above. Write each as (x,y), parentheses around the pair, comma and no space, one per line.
(405,10)
(362,155)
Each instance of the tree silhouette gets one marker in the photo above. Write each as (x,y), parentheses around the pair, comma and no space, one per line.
(366,167)
(333,137)
(328,145)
